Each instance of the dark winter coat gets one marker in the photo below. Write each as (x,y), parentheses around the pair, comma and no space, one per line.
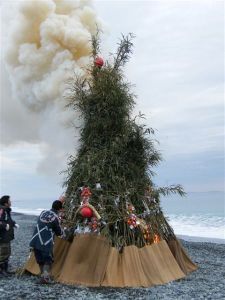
(48,225)
(5,218)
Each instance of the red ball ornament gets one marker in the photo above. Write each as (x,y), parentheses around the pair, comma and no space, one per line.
(86,212)
(99,62)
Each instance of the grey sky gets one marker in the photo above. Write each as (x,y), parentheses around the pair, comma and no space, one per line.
(178,71)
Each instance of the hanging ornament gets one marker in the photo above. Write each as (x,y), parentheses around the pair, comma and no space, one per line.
(99,62)
(87,229)
(130,208)
(94,224)
(156,238)
(147,233)
(85,194)
(78,229)
(149,195)
(98,186)
(117,200)
(132,221)
(79,190)
(86,212)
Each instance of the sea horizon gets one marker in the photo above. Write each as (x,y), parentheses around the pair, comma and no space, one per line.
(199,215)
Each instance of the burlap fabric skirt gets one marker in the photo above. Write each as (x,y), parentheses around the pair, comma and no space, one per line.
(5,252)
(90,260)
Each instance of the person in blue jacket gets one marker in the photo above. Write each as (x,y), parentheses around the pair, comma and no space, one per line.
(42,241)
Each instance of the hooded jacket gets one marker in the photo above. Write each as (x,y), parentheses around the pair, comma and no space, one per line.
(48,225)
(5,218)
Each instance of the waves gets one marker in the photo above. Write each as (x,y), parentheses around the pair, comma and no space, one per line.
(28,211)
(198,225)
(207,226)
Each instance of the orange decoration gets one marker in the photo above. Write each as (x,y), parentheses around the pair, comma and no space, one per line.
(86,192)
(156,238)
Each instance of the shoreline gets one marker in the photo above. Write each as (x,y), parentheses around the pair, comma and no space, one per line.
(184,237)
(207,282)
(199,239)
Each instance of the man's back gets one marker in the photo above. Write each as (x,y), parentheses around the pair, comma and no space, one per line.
(47,225)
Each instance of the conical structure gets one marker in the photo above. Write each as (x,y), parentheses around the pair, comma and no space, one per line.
(112,205)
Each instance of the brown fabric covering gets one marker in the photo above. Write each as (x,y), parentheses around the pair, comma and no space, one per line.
(145,266)
(90,260)
(86,261)
(31,265)
(181,256)
(60,252)
(61,249)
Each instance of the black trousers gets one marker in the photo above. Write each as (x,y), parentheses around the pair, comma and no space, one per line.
(5,252)
(43,258)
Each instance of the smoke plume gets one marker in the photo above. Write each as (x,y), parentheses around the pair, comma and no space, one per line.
(49,42)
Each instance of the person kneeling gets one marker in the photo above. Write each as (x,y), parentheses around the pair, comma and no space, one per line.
(42,241)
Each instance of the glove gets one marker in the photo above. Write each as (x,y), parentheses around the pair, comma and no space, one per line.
(7,227)
(17,225)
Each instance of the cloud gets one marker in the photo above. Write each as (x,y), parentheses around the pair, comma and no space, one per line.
(22,159)
(45,45)
(19,177)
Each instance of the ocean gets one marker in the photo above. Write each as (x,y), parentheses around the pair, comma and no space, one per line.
(198,215)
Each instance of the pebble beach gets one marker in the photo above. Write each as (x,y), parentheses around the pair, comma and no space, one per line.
(208,282)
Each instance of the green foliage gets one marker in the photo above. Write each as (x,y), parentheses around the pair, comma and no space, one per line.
(173,189)
(114,149)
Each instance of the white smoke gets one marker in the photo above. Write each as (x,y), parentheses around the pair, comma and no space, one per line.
(49,42)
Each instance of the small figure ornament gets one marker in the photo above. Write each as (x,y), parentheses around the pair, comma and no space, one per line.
(85,194)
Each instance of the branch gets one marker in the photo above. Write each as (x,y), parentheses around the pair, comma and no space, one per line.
(172,189)
(124,51)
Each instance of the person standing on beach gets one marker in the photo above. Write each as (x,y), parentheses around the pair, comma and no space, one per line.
(42,241)
(6,234)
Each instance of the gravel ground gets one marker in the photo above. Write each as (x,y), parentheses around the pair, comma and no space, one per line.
(208,282)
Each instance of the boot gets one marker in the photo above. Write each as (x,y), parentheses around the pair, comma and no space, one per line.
(45,276)
(41,274)
(41,269)
(6,269)
(3,273)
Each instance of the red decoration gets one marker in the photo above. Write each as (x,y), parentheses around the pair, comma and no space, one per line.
(86,193)
(86,212)
(156,238)
(147,234)
(99,62)
(94,224)
(132,221)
